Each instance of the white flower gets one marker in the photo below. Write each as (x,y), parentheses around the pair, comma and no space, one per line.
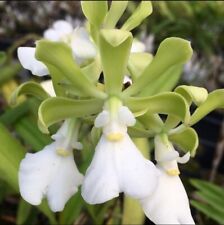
(169,203)
(52,172)
(78,39)
(137,46)
(117,166)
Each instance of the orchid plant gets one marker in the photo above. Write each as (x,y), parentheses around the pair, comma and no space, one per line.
(74,59)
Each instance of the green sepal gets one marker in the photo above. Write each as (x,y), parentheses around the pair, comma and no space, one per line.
(117,8)
(115,48)
(95,11)
(193,94)
(137,63)
(172,51)
(60,56)
(186,140)
(138,132)
(143,10)
(166,82)
(55,109)
(165,103)
(214,100)
(28,88)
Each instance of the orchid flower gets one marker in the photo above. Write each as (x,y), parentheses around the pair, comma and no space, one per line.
(52,172)
(169,203)
(78,39)
(117,166)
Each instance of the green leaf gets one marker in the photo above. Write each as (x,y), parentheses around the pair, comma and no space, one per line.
(23,212)
(72,209)
(165,103)
(2,57)
(172,51)
(192,94)
(186,139)
(137,63)
(209,211)
(55,109)
(117,8)
(132,212)
(143,10)
(214,100)
(29,88)
(60,56)
(205,186)
(11,153)
(94,11)
(166,82)
(115,48)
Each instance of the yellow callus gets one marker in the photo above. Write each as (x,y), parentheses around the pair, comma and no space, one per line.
(115,137)
(63,152)
(173,172)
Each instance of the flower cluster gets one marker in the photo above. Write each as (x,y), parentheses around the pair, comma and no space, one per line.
(74,58)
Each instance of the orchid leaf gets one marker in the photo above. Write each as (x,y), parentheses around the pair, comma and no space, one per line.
(162,62)
(165,103)
(29,88)
(55,109)
(166,82)
(193,94)
(60,56)
(115,47)
(95,11)
(137,63)
(117,8)
(143,10)
(186,139)
(214,100)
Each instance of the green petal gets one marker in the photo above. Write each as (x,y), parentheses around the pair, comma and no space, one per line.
(166,82)
(94,11)
(59,55)
(172,51)
(137,63)
(214,100)
(193,94)
(165,103)
(186,139)
(117,8)
(144,10)
(115,48)
(29,88)
(55,109)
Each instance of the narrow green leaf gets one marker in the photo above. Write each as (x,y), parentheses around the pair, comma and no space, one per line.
(115,48)
(117,8)
(60,56)
(172,51)
(95,11)
(137,63)
(186,139)
(55,109)
(214,100)
(209,211)
(165,103)
(2,57)
(192,94)
(143,10)
(166,82)
(29,88)
(205,186)
(132,212)
(23,212)
(11,153)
